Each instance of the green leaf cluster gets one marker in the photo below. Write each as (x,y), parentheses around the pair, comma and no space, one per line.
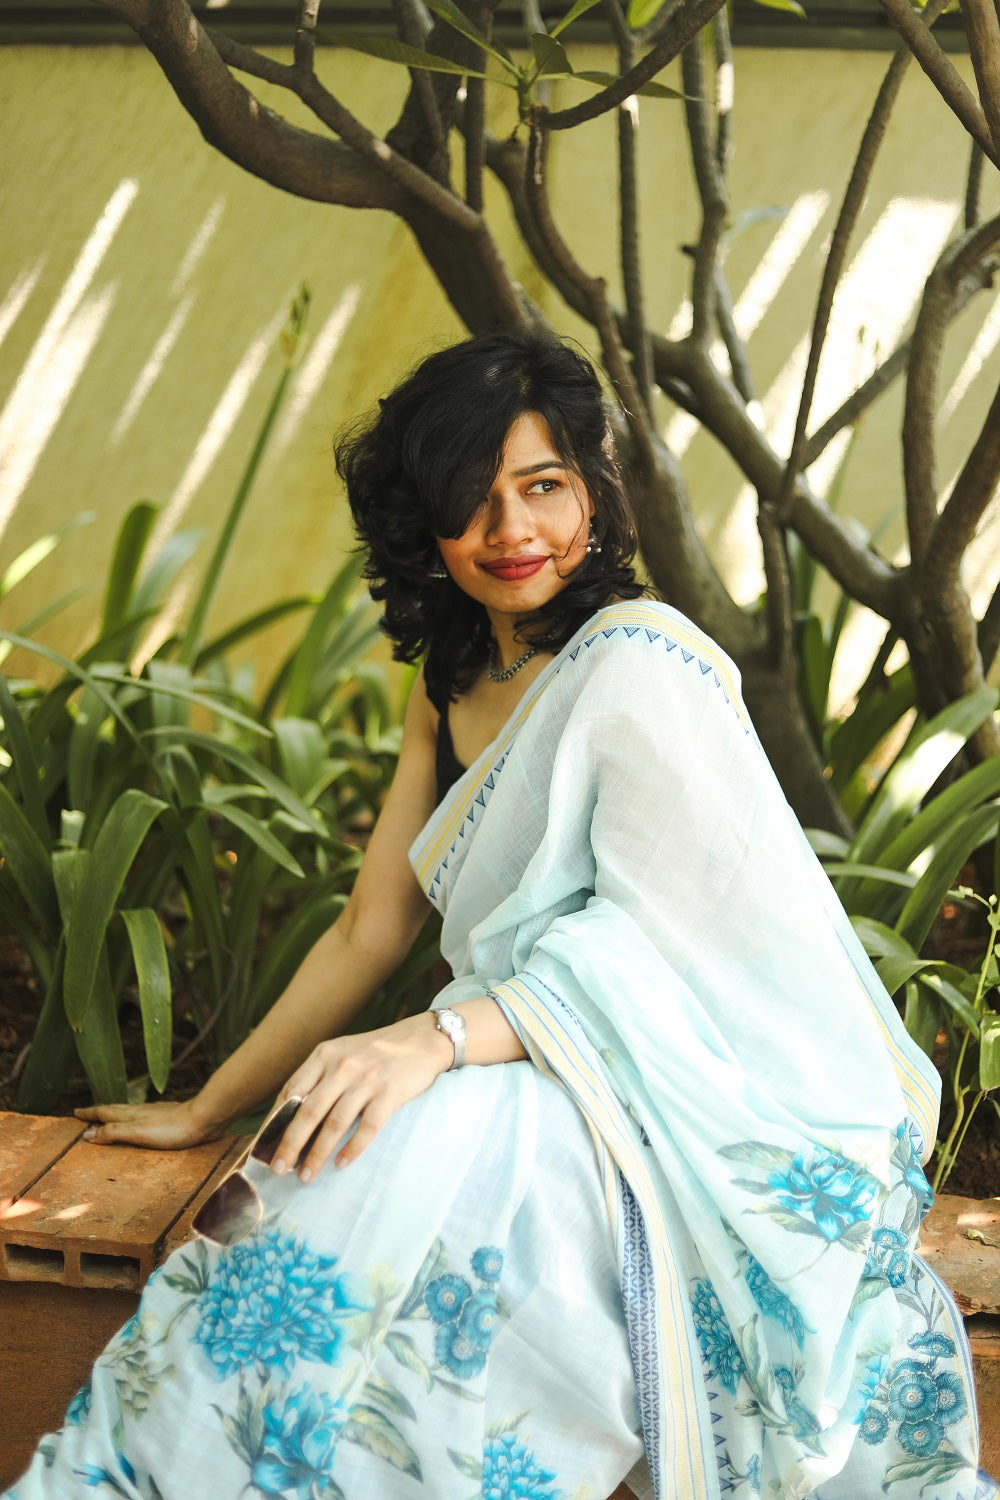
(173,839)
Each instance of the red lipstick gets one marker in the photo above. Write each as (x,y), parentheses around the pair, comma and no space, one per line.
(513,569)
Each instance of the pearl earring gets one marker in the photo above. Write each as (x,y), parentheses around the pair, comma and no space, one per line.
(593,545)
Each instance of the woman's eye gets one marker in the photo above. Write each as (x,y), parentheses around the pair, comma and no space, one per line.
(543,487)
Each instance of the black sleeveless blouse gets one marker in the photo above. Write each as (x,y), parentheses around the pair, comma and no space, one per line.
(446,763)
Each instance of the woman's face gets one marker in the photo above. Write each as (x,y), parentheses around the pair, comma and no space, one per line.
(522,545)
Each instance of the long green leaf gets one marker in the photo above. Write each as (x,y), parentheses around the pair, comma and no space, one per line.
(577,9)
(114,849)
(881,941)
(84,743)
(641,11)
(449,11)
(99,1040)
(40,616)
(952,850)
(388,49)
(26,856)
(149,953)
(39,550)
(650,90)
(916,769)
(971,789)
(308,654)
(257,832)
(953,999)
(125,563)
(878,708)
(193,630)
(162,572)
(792,6)
(289,946)
(253,772)
(921,1018)
(302,748)
(223,644)
(53,1053)
(26,767)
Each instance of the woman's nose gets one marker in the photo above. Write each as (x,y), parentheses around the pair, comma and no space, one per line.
(508,519)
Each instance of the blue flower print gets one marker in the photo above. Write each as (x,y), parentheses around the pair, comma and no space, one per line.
(907,1158)
(870,1382)
(478,1315)
(912,1392)
(445,1297)
(487,1262)
(298,1446)
(951,1403)
(921,1438)
(722,1356)
(79,1408)
(753,1473)
(773,1302)
(458,1353)
(800,1418)
(832,1191)
(874,1426)
(271,1301)
(511,1472)
(933,1344)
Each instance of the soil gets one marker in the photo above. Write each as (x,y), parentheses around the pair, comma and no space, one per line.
(975,1175)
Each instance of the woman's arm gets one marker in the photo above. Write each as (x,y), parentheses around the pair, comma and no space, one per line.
(339,974)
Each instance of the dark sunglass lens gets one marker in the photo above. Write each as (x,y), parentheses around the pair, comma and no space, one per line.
(230,1213)
(272,1130)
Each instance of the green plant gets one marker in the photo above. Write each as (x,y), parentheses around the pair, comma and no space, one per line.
(144,850)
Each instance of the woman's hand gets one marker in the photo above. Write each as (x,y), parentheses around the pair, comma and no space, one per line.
(364,1078)
(165,1126)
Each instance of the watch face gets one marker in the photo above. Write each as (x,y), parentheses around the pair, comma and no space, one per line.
(451,1024)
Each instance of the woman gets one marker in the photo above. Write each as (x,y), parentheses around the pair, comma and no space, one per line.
(673,1237)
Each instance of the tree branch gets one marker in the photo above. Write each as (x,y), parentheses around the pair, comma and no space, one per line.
(956,261)
(233,121)
(941,72)
(305,35)
(964,509)
(735,347)
(711,190)
(684,24)
(982,27)
(414,28)
(989,631)
(973,185)
(637,337)
(887,371)
(850,208)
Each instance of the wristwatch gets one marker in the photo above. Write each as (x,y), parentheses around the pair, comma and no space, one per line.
(453,1025)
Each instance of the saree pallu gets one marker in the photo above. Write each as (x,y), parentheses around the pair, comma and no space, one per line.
(678,1242)
(621,871)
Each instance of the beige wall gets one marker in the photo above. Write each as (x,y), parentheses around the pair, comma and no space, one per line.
(142,277)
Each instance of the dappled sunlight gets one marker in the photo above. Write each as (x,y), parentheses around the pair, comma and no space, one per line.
(771,272)
(73,1211)
(15,299)
(150,370)
(200,241)
(21,1207)
(218,427)
(313,370)
(59,355)
(985,342)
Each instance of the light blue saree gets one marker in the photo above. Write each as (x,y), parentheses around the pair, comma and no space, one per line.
(679,1242)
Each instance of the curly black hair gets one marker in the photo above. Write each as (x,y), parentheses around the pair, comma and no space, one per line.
(421,466)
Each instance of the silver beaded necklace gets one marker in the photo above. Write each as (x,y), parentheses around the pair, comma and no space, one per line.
(496,673)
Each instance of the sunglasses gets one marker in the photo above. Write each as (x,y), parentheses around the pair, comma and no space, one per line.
(233,1208)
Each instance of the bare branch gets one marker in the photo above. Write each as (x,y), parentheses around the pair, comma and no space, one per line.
(233,120)
(850,208)
(888,370)
(414,27)
(859,570)
(982,27)
(941,71)
(637,336)
(685,23)
(973,185)
(989,631)
(475,127)
(711,190)
(956,261)
(735,347)
(724,91)
(305,34)
(964,509)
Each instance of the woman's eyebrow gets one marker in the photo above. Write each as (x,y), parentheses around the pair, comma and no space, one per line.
(547,463)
